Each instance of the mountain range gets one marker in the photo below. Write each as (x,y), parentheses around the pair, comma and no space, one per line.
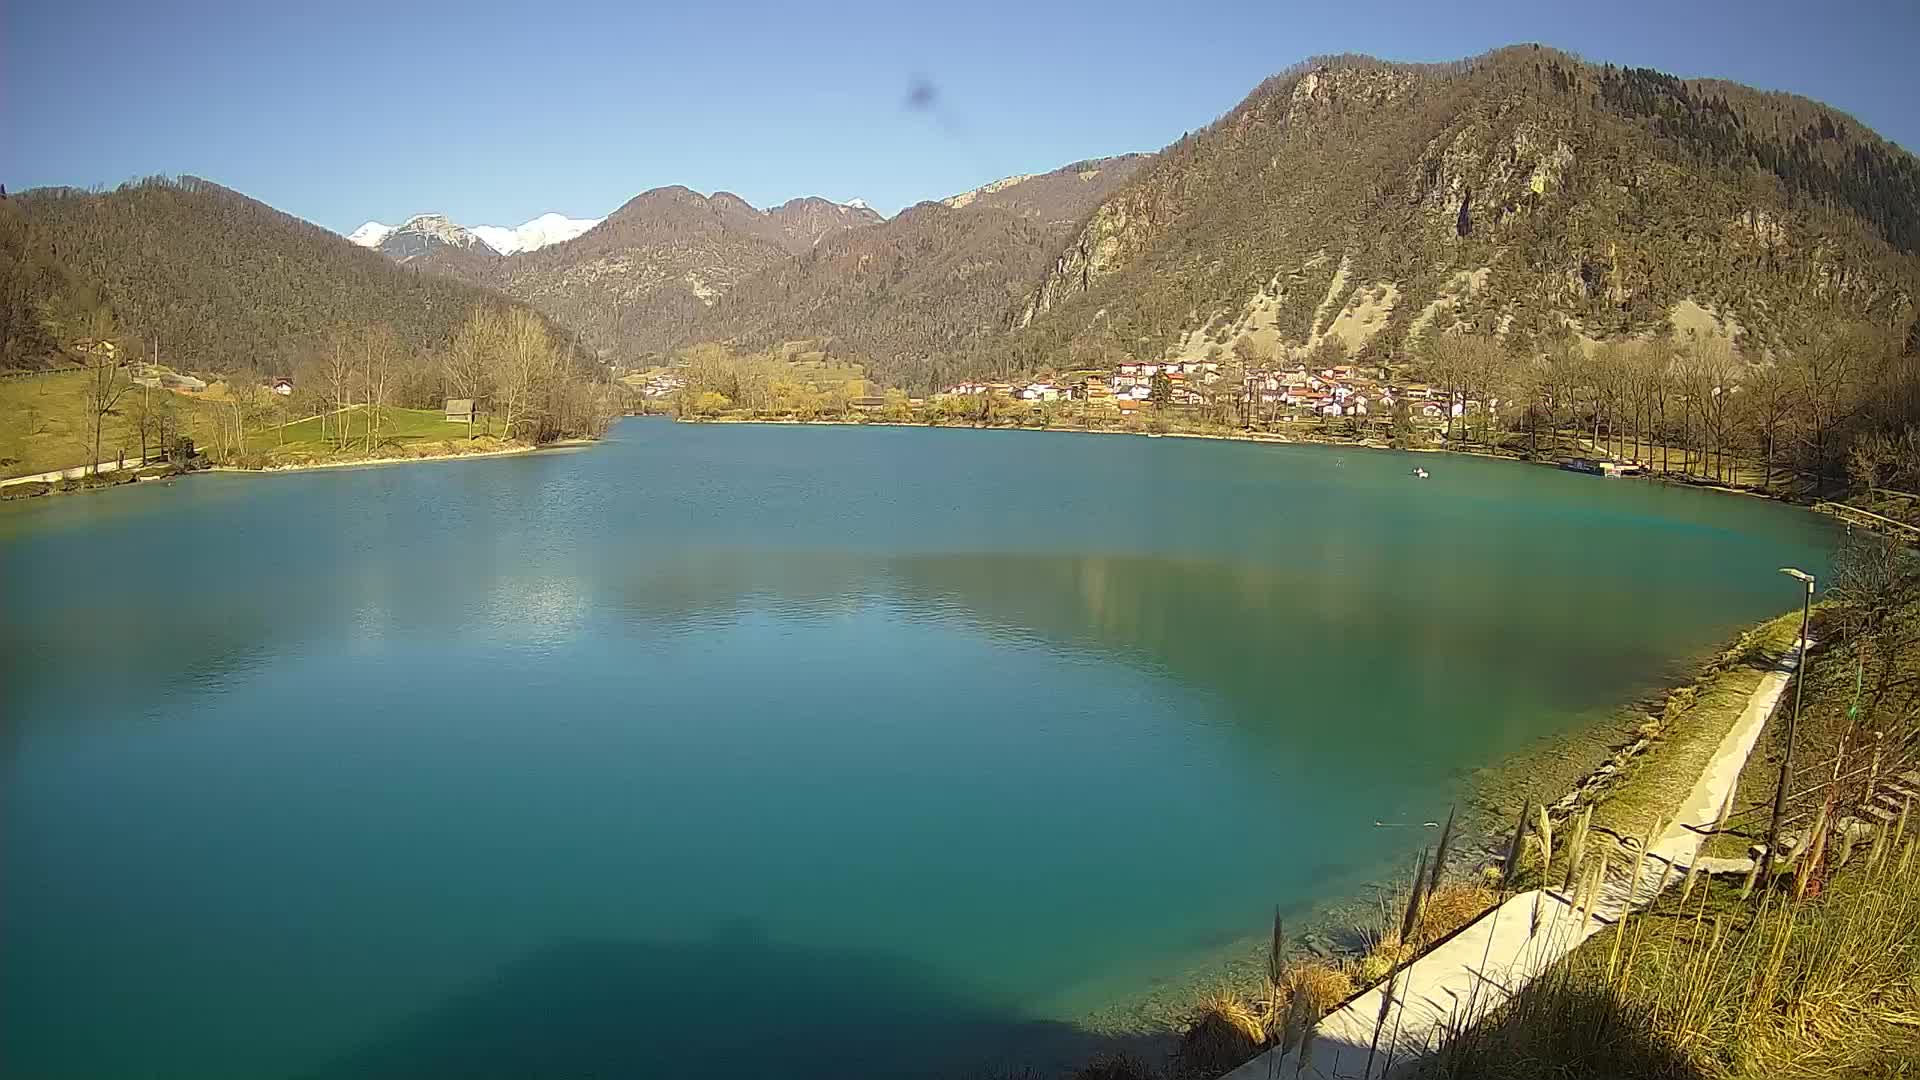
(673,266)
(633,280)
(435,228)
(913,297)
(1347,204)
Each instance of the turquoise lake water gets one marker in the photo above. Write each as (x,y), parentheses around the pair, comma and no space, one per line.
(849,751)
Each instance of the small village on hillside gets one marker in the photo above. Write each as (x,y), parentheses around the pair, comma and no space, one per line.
(1306,388)
(1275,393)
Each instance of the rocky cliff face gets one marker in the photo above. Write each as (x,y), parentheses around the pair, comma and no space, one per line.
(434,243)
(1515,194)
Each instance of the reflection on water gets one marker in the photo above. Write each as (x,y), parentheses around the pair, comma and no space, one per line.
(398,770)
(608,1007)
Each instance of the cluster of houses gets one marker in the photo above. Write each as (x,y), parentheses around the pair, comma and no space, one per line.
(661,384)
(1341,390)
(1127,388)
(1346,390)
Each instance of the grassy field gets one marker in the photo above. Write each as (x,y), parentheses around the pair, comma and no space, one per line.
(45,425)
(401,432)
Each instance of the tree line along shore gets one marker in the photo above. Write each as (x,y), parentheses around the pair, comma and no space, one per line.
(1837,417)
(505,381)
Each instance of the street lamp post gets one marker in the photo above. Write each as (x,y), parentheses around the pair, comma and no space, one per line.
(1793,721)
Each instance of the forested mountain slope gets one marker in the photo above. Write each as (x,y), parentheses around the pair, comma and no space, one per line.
(913,297)
(635,282)
(220,281)
(1519,194)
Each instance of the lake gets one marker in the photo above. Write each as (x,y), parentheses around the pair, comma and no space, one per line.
(843,751)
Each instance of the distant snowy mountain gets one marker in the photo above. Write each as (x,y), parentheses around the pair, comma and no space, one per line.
(631,279)
(417,237)
(371,234)
(424,232)
(538,233)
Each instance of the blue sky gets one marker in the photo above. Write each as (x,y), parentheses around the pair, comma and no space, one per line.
(345,111)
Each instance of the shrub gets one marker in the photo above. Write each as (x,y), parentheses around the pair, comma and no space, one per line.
(1385,955)
(1448,908)
(1323,985)
(1221,1035)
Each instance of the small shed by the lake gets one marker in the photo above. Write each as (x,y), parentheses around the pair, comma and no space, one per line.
(459,410)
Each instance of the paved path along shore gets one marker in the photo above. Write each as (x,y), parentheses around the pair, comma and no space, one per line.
(74,473)
(1494,958)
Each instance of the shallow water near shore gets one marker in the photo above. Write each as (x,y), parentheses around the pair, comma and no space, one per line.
(853,751)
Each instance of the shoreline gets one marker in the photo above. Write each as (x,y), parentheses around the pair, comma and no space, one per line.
(1589,764)
(127,478)
(562,444)
(1270,438)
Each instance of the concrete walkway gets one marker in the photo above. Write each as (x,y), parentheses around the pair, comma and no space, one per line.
(1492,959)
(74,473)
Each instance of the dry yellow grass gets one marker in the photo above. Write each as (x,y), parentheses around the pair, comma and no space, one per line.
(1224,1032)
(1323,985)
(1385,954)
(1448,908)
(1788,983)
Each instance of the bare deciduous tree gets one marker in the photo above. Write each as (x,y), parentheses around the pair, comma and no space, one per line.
(522,367)
(339,374)
(468,363)
(378,351)
(107,381)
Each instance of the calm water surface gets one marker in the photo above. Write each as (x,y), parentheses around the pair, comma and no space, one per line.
(824,746)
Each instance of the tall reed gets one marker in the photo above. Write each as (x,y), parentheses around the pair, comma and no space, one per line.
(1711,987)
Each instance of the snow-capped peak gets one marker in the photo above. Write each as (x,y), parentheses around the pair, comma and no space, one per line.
(507,240)
(540,232)
(856,204)
(371,234)
(440,228)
